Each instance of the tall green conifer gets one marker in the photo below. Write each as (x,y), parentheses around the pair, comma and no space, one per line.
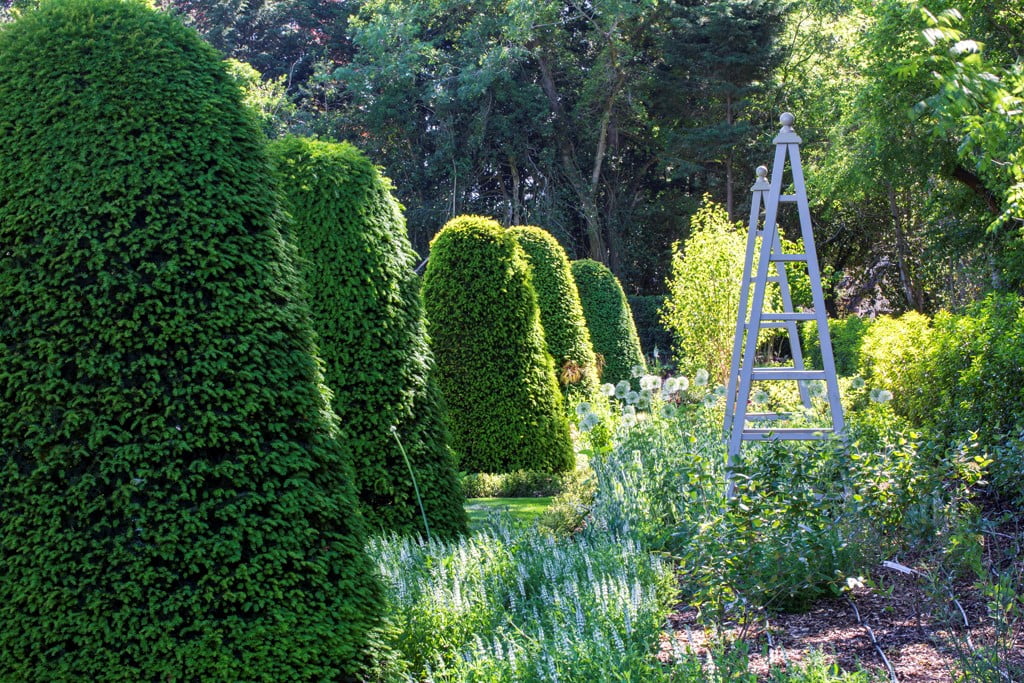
(174,502)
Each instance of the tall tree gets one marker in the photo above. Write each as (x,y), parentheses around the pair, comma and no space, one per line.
(719,54)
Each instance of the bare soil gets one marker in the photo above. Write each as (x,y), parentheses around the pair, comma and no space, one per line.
(897,630)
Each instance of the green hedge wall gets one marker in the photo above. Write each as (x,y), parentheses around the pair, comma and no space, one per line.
(175,503)
(493,366)
(561,313)
(609,319)
(358,266)
(647,316)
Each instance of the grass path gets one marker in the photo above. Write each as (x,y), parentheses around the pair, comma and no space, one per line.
(526,509)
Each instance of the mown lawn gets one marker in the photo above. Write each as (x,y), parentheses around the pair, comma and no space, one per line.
(526,509)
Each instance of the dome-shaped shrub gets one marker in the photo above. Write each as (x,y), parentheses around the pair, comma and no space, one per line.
(609,319)
(561,313)
(174,502)
(358,266)
(493,367)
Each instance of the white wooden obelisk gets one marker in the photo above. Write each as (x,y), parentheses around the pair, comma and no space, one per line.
(752,317)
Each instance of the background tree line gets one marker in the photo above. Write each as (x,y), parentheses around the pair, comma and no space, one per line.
(607,121)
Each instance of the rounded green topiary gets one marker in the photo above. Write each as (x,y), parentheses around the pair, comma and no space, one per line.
(358,266)
(609,320)
(493,367)
(174,502)
(561,313)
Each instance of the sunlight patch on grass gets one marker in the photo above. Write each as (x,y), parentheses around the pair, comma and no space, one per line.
(525,509)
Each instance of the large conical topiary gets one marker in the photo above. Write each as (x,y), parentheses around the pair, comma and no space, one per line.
(358,266)
(561,313)
(493,367)
(609,320)
(174,503)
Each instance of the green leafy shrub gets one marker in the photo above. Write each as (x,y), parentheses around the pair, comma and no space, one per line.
(704,292)
(561,313)
(175,502)
(893,354)
(357,264)
(609,320)
(494,370)
(847,335)
(647,316)
(520,484)
(972,378)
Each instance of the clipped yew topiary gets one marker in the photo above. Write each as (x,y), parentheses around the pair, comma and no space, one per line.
(609,320)
(174,503)
(493,366)
(358,266)
(561,313)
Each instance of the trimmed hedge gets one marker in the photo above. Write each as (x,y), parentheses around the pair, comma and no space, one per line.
(358,266)
(175,502)
(647,316)
(609,319)
(494,370)
(561,313)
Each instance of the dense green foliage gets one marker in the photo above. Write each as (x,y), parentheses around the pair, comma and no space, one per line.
(609,320)
(893,353)
(647,316)
(358,267)
(176,504)
(954,374)
(704,292)
(847,335)
(561,313)
(494,370)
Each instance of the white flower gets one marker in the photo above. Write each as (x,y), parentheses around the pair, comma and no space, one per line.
(622,388)
(632,398)
(760,396)
(636,370)
(608,390)
(700,379)
(668,411)
(815,389)
(645,400)
(857,383)
(589,421)
(720,391)
(881,395)
(582,409)
(652,382)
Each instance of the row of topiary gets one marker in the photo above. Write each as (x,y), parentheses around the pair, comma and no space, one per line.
(511,323)
(212,391)
(205,406)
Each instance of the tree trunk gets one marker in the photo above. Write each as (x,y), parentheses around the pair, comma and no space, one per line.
(586,190)
(909,291)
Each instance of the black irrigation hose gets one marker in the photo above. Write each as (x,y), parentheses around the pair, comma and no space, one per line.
(874,641)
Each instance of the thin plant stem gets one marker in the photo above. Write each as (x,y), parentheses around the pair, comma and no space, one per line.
(415,486)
